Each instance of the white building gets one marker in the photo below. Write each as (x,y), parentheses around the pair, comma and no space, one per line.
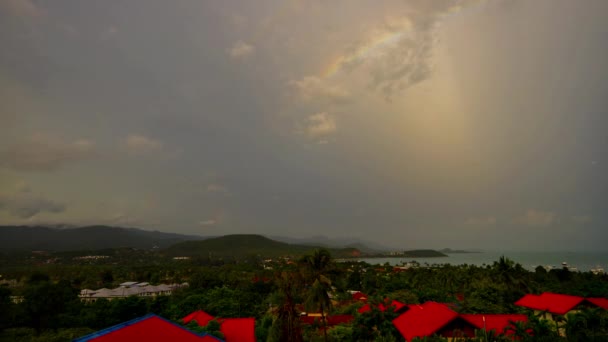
(130,288)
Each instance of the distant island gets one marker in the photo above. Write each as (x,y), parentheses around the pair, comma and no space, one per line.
(456,251)
(423,253)
(414,253)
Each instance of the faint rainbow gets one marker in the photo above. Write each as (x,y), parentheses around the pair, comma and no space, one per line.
(362,52)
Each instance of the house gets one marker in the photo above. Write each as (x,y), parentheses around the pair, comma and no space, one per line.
(130,288)
(550,304)
(331,320)
(599,302)
(500,324)
(396,305)
(199,316)
(432,318)
(150,328)
(234,329)
(128,284)
(238,329)
(360,296)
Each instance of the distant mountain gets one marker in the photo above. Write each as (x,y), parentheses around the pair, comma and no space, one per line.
(366,247)
(27,238)
(423,253)
(456,251)
(243,245)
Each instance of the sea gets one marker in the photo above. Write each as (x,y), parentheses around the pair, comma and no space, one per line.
(582,261)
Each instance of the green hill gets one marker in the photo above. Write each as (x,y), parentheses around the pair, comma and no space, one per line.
(28,238)
(243,245)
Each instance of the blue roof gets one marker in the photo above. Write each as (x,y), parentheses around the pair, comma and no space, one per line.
(122,325)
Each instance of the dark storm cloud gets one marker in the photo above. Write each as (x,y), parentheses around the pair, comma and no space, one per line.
(25,206)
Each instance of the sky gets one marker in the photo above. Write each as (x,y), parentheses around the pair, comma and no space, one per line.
(410,123)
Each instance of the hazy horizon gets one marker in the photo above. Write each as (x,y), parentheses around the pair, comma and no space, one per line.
(426,123)
(343,241)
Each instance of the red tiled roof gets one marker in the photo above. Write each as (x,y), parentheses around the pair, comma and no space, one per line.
(530,301)
(257,279)
(423,320)
(451,306)
(360,296)
(366,308)
(601,302)
(200,317)
(309,319)
(234,329)
(494,322)
(554,303)
(339,319)
(150,328)
(238,329)
(397,305)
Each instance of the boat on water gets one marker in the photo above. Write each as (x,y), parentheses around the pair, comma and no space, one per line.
(568,267)
(598,270)
(549,267)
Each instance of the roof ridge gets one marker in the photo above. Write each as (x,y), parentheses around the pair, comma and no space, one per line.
(135,321)
(113,328)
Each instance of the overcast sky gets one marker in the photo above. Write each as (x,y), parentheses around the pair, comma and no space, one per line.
(416,124)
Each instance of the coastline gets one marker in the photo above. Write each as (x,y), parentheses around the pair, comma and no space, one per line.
(583,261)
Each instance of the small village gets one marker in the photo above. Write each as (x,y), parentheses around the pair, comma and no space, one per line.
(414,321)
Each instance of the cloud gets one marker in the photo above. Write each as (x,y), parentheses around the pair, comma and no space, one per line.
(216,218)
(124,219)
(109,32)
(480,221)
(210,222)
(581,219)
(44,153)
(237,20)
(217,189)
(139,144)
(320,125)
(398,53)
(312,89)
(22,8)
(537,218)
(404,64)
(26,205)
(241,50)
(23,187)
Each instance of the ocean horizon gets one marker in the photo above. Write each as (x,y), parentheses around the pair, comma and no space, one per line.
(583,261)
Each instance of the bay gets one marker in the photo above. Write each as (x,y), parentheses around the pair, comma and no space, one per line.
(583,261)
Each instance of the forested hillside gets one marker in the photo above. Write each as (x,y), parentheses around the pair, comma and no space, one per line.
(26,238)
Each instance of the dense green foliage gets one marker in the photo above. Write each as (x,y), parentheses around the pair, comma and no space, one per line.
(275,292)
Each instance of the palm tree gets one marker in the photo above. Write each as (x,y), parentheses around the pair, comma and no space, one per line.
(286,326)
(513,276)
(574,324)
(315,266)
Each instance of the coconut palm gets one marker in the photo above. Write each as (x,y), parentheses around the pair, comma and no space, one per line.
(286,326)
(315,267)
